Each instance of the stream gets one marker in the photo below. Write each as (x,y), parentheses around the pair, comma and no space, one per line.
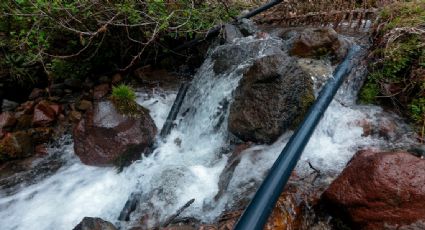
(188,163)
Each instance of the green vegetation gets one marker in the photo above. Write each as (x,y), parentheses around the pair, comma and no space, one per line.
(124,99)
(397,70)
(123,93)
(43,40)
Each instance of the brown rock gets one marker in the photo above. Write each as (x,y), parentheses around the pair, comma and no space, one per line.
(75,116)
(272,97)
(7,121)
(45,113)
(117,78)
(16,145)
(26,107)
(40,150)
(84,105)
(366,126)
(100,91)
(24,121)
(379,189)
(36,93)
(285,215)
(104,136)
(91,223)
(157,78)
(387,129)
(40,134)
(313,43)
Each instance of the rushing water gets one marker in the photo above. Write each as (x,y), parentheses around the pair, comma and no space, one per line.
(187,165)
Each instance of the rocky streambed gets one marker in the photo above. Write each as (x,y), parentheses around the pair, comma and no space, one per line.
(241,108)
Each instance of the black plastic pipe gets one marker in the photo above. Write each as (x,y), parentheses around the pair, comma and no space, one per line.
(258,211)
(260,9)
(216,30)
(166,128)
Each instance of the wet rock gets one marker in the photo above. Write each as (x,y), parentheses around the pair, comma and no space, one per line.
(272,97)
(104,137)
(285,215)
(84,105)
(227,57)
(387,129)
(92,223)
(228,171)
(88,84)
(247,27)
(72,83)
(26,107)
(315,43)
(104,79)
(16,145)
(7,121)
(75,116)
(36,93)
(57,89)
(418,150)
(40,134)
(45,113)
(24,121)
(100,91)
(117,78)
(379,189)
(8,105)
(231,32)
(158,78)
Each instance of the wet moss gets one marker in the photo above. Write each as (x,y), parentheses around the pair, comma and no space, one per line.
(306,101)
(397,63)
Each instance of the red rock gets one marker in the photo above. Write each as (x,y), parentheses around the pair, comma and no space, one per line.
(26,107)
(379,189)
(41,150)
(45,113)
(36,93)
(100,91)
(104,137)
(7,120)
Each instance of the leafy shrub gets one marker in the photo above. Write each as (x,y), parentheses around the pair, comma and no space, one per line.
(57,36)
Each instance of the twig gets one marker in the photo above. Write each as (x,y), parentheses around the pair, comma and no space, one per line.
(171,218)
(314,169)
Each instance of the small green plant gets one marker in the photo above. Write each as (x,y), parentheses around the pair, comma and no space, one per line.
(124,93)
(124,99)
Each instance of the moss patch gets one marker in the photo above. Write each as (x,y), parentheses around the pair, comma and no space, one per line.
(397,66)
(124,99)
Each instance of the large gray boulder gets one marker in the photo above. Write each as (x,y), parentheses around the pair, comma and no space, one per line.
(272,97)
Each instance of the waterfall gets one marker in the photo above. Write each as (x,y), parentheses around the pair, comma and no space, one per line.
(188,163)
